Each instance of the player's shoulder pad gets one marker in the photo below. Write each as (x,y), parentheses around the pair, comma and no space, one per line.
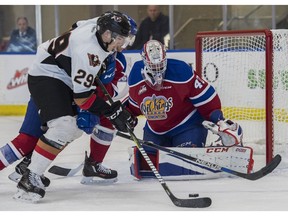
(135,73)
(85,22)
(120,59)
(178,71)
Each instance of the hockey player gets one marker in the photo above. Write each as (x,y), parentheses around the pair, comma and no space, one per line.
(175,102)
(114,69)
(31,129)
(63,74)
(103,133)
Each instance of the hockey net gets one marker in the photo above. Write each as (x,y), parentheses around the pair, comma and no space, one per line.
(249,70)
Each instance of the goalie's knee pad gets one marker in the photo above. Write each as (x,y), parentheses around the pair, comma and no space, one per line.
(63,130)
(103,135)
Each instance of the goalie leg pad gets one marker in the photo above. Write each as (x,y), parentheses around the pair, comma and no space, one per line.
(174,168)
(167,165)
(138,166)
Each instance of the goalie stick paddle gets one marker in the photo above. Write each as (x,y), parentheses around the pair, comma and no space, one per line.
(202,202)
(250,176)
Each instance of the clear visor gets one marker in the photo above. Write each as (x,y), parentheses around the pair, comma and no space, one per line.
(118,40)
(128,41)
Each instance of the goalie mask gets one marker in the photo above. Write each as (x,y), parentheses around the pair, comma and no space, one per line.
(155,61)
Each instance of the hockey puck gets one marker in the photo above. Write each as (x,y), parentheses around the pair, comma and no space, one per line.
(193,195)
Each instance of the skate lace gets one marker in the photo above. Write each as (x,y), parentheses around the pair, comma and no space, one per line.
(36,180)
(103,169)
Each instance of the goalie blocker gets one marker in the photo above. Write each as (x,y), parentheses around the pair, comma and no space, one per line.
(172,167)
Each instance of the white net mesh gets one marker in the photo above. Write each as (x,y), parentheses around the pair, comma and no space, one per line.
(235,64)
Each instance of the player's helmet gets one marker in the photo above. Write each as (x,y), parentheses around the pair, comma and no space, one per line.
(114,21)
(155,61)
(133,25)
(131,38)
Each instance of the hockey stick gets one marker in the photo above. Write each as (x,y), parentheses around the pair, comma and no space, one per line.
(61,171)
(250,176)
(190,203)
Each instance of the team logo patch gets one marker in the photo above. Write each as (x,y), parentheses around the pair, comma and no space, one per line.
(116,18)
(93,60)
(142,90)
(156,107)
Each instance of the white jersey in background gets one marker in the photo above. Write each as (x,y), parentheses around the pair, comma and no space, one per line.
(76,68)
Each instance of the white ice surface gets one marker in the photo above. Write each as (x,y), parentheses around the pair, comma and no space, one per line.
(67,194)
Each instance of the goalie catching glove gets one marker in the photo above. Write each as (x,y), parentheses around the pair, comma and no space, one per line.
(120,117)
(229,132)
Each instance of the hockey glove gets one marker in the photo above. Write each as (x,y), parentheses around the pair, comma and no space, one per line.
(86,121)
(229,132)
(120,117)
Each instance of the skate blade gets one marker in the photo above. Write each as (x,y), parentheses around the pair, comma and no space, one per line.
(28,197)
(95,180)
(15,177)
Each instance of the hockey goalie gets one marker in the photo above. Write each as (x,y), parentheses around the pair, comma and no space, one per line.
(180,108)
(172,167)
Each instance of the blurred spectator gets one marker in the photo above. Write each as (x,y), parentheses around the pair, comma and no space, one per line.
(4,44)
(283,24)
(22,39)
(155,26)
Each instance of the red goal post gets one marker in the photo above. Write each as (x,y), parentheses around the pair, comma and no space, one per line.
(249,69)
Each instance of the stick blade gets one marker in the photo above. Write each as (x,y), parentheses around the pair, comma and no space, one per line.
(265,170)
(61,171)
(202,202)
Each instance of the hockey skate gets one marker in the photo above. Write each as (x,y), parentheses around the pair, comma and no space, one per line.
(96,173)
(30,187)
(21,168)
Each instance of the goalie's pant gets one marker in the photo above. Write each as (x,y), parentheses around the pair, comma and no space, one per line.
(188,137)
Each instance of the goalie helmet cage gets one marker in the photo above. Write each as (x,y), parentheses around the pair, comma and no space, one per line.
(249,69)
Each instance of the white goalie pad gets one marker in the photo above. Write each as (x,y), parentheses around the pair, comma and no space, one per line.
(172,167)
